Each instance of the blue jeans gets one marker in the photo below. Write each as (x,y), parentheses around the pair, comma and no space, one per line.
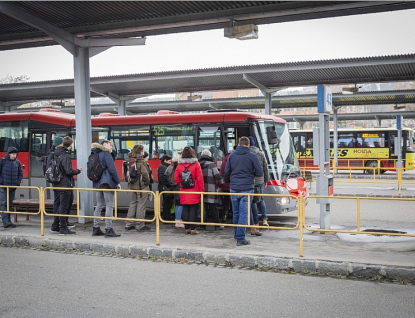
(240,212)
(5,217)
(178,208)
(262,208)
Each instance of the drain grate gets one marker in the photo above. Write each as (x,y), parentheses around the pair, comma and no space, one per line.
(384,231)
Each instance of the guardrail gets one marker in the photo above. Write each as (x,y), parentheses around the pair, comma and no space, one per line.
(301,213)
(27,213)
(249,225)
(358,230)
(115,213)
(307,164)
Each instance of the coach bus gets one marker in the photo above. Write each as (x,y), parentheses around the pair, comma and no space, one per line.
(166,132)
(360,147)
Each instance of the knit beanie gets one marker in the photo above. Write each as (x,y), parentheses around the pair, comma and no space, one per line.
(57,141)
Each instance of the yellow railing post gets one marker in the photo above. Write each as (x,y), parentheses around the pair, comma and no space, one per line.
(42,210)
(157,215)
(399,180)
(301,221)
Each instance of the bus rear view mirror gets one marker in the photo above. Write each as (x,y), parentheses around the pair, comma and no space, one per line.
(272,135)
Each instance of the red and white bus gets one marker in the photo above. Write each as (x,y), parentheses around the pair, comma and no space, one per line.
(166,132)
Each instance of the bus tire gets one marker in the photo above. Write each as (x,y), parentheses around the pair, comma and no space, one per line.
(372,164)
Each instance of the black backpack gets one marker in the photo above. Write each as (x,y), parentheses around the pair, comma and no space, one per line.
(94,168)
(54,173)
(186,178)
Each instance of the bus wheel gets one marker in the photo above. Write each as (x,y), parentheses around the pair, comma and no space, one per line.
(372,164)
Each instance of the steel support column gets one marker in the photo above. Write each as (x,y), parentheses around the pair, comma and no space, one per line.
(268,103)
(335,139)
(83,126)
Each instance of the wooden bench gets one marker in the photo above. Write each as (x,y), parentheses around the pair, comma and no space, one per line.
(34,204)
(308,177)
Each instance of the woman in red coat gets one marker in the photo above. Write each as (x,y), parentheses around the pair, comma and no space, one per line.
(190,202)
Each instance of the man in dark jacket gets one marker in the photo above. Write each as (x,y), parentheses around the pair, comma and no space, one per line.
(11,174)
(62,152)
(259,183)
(58,142)
(109,180)
(242,166)
(167,198)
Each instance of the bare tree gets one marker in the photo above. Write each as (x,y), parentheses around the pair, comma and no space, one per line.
(10,79)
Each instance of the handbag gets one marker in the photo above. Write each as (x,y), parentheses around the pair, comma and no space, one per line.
(168,195)
(257,190)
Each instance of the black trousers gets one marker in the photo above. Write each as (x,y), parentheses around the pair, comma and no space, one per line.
(214,212)
(167,204)
(189,214)
(56,205)
(61,205)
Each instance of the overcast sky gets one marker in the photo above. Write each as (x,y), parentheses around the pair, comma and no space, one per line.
(332,38)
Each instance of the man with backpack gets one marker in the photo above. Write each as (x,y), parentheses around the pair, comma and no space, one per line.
(11,174)
(57,142)
(136,174)
(62,160)
(108,179)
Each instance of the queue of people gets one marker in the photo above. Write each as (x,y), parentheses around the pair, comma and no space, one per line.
(243,171)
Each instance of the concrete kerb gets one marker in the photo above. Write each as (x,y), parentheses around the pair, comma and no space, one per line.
(260,262)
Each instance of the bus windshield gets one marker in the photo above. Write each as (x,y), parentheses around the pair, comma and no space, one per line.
(411,142)
(275,142)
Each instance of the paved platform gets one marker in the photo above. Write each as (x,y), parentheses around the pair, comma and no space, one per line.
(328,254)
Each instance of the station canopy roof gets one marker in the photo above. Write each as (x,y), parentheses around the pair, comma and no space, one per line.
(279,76)
(111,19)
(123,19)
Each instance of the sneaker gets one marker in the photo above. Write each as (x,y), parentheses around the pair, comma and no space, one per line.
(9,224)
(70,225)
(131,227)
(54,230)
(110,233)
(144,228)
(219,228)
(256,232)
(96,231)
(179,225)
(239,243)
(65,231)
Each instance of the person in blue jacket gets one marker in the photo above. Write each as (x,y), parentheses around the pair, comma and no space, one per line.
(11,174)
(242,167)
(109,180)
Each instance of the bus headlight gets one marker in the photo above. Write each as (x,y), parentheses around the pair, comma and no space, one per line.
(283,201)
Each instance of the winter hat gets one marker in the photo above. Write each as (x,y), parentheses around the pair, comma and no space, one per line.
(57,141)
(14,151)
(251,141)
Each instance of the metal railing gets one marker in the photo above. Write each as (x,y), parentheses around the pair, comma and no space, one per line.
(300,224)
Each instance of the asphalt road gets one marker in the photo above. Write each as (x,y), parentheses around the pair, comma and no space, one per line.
(54,284)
